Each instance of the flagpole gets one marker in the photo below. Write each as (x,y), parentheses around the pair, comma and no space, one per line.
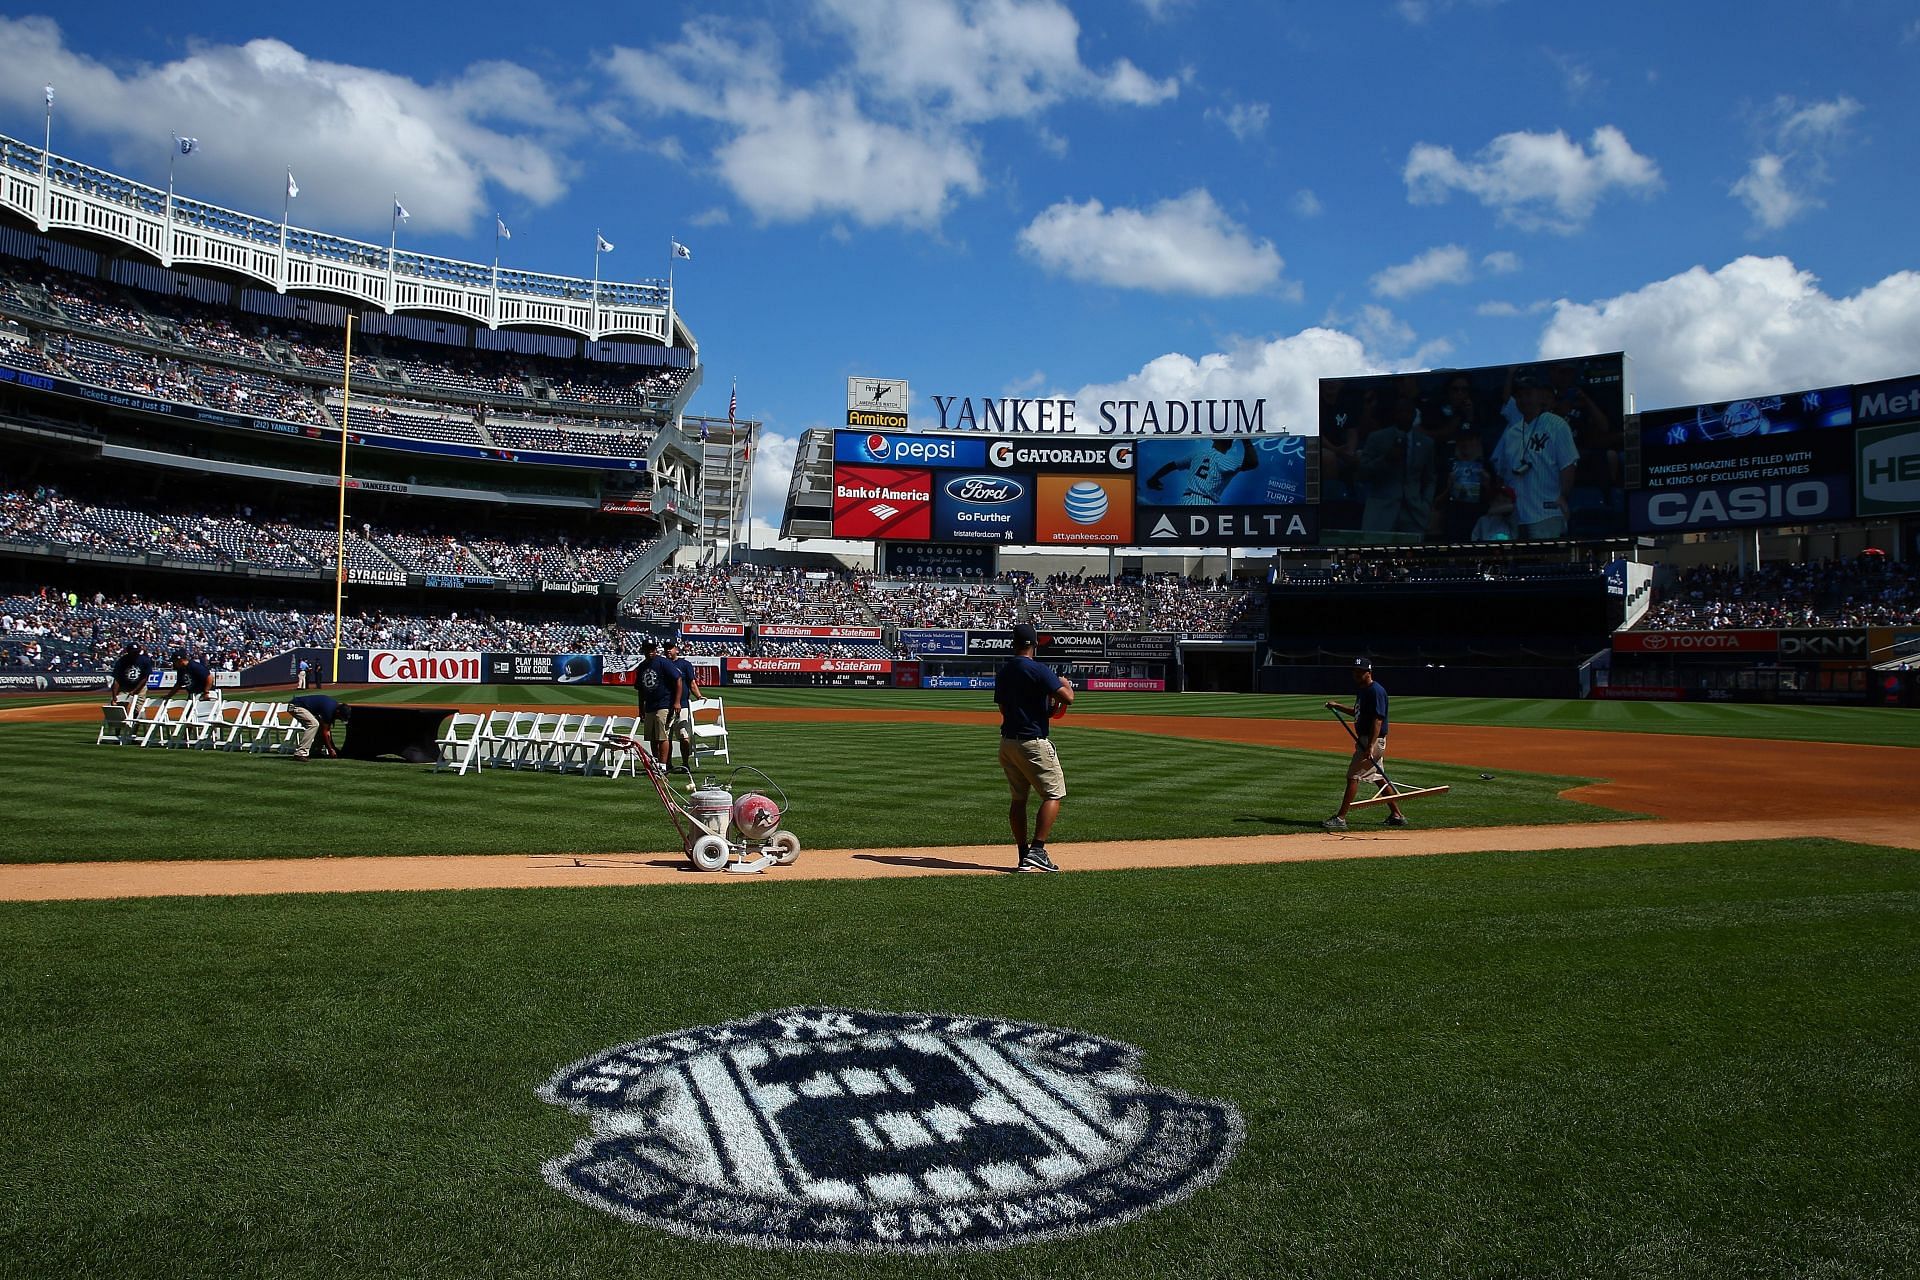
(497,224)
(340,550)
(393,241)
(733,488)
(286,211)
(173,154)
(594,327)
(46,161)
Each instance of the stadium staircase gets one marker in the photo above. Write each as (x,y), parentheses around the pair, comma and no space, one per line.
(638,574)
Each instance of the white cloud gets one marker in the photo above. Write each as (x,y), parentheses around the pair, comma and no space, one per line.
(1502,262)
(1780,182)
(1534,180)
(1306,204)
(1501,309)
(1187,245)
(790,154)
(884,140)
(1244,120)
(1285,372)
(982,60)
(351,134)
(1756,325)
(1446,264)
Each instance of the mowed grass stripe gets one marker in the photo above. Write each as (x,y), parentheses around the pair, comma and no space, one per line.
(1632,1061)
(851,785)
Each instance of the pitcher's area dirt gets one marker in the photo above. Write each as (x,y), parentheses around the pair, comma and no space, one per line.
(1698,789)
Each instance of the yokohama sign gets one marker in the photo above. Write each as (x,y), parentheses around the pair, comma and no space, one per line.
(1693,642)
(415,666)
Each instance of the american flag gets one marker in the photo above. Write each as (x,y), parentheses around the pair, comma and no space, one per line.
(733,402)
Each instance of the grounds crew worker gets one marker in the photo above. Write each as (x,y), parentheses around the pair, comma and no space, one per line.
(1369,713)
(1029,694)
(129,680)
(658,683)
(689,692)
(316,713)
(191,677)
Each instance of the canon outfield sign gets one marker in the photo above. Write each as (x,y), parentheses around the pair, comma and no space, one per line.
(421,666)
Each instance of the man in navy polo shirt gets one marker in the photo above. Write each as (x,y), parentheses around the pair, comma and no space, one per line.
(316,713)
(1369,712)
(658,684)
(1030,694)
(129,681)
(689,691)
(191,677)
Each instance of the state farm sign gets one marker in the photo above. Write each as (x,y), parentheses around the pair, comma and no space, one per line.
(1696,642)
(417,666)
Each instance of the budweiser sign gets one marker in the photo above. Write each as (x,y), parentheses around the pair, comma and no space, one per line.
(1696,642)
(415,666)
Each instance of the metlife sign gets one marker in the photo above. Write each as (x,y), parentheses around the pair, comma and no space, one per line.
(889,449)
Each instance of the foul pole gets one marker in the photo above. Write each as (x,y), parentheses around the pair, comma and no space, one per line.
(340,546)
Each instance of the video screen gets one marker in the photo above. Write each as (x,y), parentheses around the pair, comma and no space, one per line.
(1504,453)
(1767,460)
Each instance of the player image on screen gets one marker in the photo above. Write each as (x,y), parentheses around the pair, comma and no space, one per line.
(1207,470)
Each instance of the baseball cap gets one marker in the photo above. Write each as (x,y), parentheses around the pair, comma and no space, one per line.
(649,645)
(1528,378)
(1023,633)
(1363,664)
(672,643)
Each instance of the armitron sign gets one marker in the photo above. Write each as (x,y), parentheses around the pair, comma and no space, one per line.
(415,666)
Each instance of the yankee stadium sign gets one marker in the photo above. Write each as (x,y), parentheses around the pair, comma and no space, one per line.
(1016,416)
(849,1130)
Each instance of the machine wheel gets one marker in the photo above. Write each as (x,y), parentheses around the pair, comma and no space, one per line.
(785,848)
(709,853)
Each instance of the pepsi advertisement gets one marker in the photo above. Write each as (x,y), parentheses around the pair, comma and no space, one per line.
(889,449)
(971,507)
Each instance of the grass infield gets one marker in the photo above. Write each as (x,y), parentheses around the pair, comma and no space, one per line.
(1695,1061)
(852,785)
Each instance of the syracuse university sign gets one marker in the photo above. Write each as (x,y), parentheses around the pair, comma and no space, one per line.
(855,1131)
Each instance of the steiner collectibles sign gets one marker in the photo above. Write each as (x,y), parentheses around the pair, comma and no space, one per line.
(856,1131)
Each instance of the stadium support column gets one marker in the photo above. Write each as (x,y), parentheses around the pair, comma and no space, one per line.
(46,162)
(340,544)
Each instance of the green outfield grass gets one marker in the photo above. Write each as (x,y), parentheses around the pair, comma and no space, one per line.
(852,785)
(1867,726)
(1637,1062)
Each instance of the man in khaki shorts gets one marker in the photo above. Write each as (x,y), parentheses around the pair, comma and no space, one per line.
(1369,712)
(1030,694)
(658,684)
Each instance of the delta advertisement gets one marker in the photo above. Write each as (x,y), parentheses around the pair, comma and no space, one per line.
(1241,491)
(1770,460)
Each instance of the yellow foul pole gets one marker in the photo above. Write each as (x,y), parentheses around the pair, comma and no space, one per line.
(340,550)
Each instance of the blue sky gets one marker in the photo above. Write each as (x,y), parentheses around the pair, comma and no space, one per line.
(1136,198)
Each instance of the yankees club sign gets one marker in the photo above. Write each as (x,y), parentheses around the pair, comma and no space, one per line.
(848,1130)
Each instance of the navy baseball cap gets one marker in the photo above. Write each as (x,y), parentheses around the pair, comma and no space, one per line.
(1363,664)
(1023,633)
(649,645)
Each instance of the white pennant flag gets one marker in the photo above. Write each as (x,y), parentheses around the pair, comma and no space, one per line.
(187,145)
(500,225)
(293,188)
(601,244)
(681,251)
(400,210)
(49,97)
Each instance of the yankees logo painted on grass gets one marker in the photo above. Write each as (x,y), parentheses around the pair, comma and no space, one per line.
(857,1131)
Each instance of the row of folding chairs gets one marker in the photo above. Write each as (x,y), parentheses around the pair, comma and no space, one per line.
(214,725)
(545,741)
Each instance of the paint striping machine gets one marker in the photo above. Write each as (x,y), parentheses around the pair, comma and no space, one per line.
(718,831)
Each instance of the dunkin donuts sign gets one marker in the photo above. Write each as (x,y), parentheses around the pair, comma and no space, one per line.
(417,666)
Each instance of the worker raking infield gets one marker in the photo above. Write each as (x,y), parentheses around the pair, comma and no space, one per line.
(1369,733)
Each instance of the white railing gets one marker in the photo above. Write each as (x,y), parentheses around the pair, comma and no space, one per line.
(56,193)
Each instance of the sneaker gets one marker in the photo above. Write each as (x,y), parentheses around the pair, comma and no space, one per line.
(1039,854)
(1396,819)
(1335,824)
(1029,863)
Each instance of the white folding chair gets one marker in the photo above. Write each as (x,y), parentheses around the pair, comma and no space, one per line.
(561,742)
(460,744)
(196,727)
(155,723)
(513,743)
(251,725)
(223,729)
(709,730)
(537,742)
(581,749)
(494,739)
(279,732)
(615,753)
(115,727)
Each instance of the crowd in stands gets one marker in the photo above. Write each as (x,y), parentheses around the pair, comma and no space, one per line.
(1866,591)
(207,534)
(186,351)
